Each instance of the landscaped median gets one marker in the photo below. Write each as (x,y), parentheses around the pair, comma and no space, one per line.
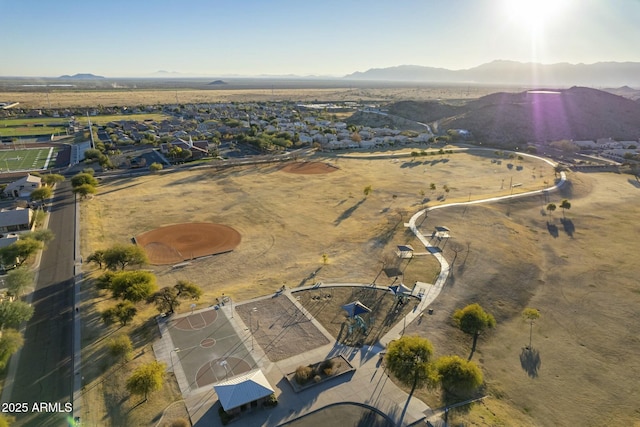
(317,373)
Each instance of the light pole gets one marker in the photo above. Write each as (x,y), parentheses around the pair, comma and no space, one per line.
(175,350)
(224,364)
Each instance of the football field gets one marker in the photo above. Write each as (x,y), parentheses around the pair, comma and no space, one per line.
(26,159)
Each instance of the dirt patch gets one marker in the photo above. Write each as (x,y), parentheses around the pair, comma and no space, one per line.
(181,242)
(325,304)
(309,168)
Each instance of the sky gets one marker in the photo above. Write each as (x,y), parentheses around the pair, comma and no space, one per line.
(136,38)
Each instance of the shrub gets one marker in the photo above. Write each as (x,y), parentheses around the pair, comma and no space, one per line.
(271,401)
(317,378)
(327,367)
(181,422)
(224,417)
(303,374)
(155,167)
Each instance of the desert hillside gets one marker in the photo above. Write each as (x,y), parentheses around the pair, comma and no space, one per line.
(578,113)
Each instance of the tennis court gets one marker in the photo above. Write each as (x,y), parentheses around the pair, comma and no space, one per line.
(26,159)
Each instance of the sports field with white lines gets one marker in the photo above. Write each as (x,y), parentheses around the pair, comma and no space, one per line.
(26,159)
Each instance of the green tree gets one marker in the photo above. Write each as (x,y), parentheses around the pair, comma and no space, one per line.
(92,154)
(18,252)
(367,190)
(530,315)
(458,376)
(97,257)
(120,347)
(146,379)
(121,255)
(409,360)
(84,190)
(188,289)
(41,194)
(12,314)
(155,167)
(52,178)
(10,342)
(551,207)
(104,281)
(133,286)
(18,281)
(83,178)
(168,299)
(43,235)
(123,312)
(565,205)
(473,320)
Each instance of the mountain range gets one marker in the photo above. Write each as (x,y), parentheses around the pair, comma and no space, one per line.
(578,113)
(600,74)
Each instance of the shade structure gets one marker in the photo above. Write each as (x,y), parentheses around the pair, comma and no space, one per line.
(242,389)
(400,289)
(356,307)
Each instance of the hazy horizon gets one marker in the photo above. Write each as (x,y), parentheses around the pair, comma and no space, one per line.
(250,38)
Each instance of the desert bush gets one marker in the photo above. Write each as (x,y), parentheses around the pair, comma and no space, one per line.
(181,422)
(327,367)
(303,374)
(317,378)
(271,400)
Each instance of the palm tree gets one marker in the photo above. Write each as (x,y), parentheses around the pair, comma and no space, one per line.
(530,315)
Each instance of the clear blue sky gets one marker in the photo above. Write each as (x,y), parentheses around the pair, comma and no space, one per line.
(249,37)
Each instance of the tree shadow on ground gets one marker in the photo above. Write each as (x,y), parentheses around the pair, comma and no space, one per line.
(348,212)
(552,229)
(568,226)
(530,361)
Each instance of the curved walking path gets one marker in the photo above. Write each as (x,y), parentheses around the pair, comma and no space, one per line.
(369,384)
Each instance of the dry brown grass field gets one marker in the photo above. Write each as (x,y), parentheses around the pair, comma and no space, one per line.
(582,277)
(119,97)
(584,280)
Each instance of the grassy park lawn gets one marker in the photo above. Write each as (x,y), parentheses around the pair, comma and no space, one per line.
(511,255)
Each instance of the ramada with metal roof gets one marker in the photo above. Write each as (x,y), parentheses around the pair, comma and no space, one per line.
(243,389)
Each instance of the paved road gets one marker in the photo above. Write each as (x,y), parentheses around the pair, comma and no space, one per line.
(45,371)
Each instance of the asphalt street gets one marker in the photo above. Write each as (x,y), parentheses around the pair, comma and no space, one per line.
(45,371)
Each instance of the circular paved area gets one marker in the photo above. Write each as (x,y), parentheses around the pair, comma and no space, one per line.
(180,242)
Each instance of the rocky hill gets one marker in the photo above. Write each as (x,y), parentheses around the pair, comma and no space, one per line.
(577,113)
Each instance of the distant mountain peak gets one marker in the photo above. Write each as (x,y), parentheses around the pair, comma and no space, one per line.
(81,76)
(500,71)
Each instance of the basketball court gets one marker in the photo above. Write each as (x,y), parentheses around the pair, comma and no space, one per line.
(207,349)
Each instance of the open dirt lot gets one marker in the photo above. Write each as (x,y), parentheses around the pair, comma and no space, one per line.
(91,98)
(582,274)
